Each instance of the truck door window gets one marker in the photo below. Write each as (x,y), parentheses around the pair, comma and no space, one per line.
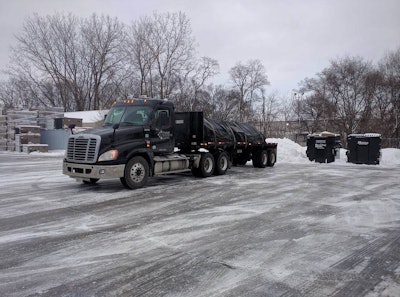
(162,118)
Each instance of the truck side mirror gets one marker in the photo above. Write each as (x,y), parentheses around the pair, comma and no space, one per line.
(71,127)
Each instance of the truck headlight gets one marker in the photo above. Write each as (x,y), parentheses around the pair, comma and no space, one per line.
(109,155)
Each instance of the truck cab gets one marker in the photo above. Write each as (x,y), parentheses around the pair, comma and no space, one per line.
(139,129)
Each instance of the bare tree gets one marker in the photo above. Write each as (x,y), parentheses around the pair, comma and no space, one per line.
(69,61)
(140,56)
(269,111)
(191,84)
(224,102)
(317,109)
(10,94)
(162,47)
(248,79)
(345,83)
(387,98)
(44,54)
(102,37)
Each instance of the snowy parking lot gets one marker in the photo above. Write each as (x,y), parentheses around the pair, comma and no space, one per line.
(297,229)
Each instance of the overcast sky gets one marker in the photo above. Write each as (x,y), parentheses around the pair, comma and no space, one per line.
(293,39)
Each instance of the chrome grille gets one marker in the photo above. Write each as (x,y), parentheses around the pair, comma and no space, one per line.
(83,148)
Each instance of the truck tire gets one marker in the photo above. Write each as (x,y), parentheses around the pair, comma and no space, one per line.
(260,159)
(221,163)
(271,159)
(206,166)
(136,173)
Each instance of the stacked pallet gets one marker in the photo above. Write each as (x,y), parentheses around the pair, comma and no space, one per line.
(27,139)
(3,131)
(47,117)
(64,123)
(21,130)
(14,119)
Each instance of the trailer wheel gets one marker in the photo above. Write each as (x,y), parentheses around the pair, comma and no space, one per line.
(206,166)
(136,173)
(271,159)
(91,181)
(260,159)
(221,163)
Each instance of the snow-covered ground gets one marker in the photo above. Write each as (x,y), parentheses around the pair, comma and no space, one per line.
(299,228)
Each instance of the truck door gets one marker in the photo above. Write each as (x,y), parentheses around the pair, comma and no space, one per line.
(162,134)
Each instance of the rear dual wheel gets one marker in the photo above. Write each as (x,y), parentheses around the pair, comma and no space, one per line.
(260,159)
(271,159)
(221,163)
(206,166)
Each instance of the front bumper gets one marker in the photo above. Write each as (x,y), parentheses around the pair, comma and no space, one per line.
(86,171)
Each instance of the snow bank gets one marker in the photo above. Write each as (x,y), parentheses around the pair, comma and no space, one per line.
(390,156)
(89,116)
(289,151)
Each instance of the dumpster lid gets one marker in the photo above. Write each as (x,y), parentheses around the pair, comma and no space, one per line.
(365,135)
(323,134)
(372,135)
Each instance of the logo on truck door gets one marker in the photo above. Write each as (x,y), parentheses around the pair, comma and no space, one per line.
(164,134)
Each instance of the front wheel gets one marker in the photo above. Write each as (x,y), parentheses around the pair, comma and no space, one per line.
(136,173)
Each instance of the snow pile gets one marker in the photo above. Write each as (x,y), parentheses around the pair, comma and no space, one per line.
(289,151)
(89,116)
(390,156)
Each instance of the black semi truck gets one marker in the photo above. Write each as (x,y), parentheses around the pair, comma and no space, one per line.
(144,137)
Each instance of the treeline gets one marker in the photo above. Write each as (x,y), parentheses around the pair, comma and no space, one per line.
(352,96)
(86,63)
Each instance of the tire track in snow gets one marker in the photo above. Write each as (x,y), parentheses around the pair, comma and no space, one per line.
(358,273)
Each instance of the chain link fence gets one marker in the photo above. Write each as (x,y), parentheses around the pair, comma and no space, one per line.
(390,143)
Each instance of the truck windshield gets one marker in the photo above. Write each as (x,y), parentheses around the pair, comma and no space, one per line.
(131,115)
